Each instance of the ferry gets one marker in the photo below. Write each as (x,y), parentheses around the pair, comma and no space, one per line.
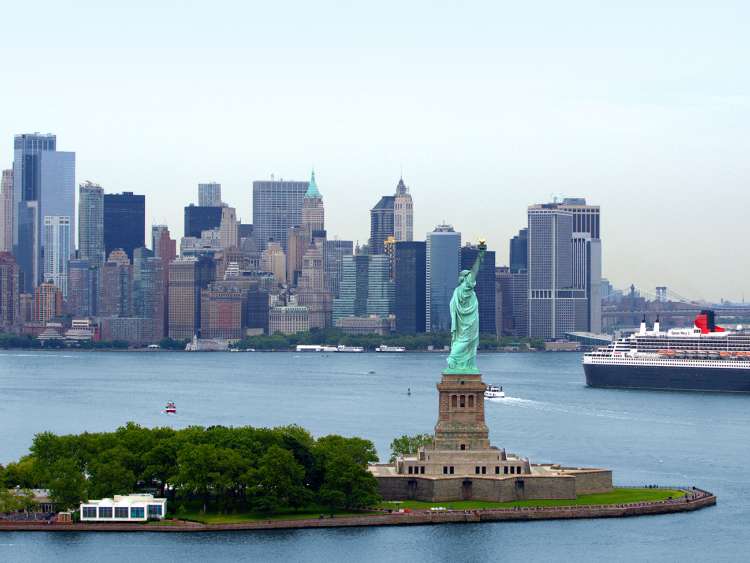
(171,408)
(315,348)
(705,357)
(384,348)
(494,392)
(322,348)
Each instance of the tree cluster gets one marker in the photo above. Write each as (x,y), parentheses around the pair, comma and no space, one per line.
(408,445)
(334,337)
(224,468)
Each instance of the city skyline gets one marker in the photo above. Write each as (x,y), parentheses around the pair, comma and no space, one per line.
(633,114)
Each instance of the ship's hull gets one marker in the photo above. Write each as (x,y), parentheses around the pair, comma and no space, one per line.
(671,378)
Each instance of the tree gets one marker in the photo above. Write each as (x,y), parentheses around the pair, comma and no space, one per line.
(22,473)
(360,450)
(109,477)
(12,500)
(279,481)
(197,470)
(347,484)
(161,464)
(67,485)
(408,445)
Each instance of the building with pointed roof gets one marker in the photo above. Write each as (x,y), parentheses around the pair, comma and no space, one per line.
(313,213)
(403,213)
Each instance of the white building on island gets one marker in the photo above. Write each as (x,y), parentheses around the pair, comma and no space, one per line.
(124,508)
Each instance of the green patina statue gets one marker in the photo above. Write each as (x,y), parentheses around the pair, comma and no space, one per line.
(465,320)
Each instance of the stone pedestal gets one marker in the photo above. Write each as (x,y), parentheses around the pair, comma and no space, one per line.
(460,424)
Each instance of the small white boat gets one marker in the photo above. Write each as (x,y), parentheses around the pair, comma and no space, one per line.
(342,348)
(384,348)
(171,408)
(494,392)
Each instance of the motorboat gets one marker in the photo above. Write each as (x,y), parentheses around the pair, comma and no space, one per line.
(171,408)
(494,392)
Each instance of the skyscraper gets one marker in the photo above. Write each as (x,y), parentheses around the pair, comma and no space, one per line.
(519,251)
(162,244)
(6,212)
(410,279)
(443,261)
(366,287)
(519,294)
(187,277)
(116,296)
(47,302)
(587,258)
(313,212)
(124,222)
(91,223)
(165,249)
(273,260)
(223,310)
(58,190)
(83,288)
(57,231)
(352,300)
(148,291)
(43,185)
(209,195)
(27,247)
(403,213)
(277,206)
(485,287)
(229,228)
(381,224)
(555,305)
(312,290)
(380,290)
(335,252)
(298,240)
(10,279)
(199,219)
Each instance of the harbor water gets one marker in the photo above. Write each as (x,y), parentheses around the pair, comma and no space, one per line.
(549,415)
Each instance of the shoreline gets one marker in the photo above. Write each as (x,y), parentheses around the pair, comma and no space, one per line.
(159,351)
(702,499)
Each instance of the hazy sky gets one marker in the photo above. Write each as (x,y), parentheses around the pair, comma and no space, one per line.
(642,108)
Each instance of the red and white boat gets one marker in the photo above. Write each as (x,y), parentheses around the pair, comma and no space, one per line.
(171,408)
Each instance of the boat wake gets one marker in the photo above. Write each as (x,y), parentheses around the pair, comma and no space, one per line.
(582,410)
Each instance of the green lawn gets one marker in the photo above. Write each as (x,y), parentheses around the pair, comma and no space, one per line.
(617,496)
(239,517)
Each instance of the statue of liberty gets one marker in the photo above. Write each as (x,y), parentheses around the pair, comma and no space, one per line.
(464,309)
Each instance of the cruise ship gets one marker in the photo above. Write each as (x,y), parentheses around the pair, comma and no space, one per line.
(703,358)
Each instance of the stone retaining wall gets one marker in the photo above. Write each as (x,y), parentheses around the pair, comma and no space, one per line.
(701,499)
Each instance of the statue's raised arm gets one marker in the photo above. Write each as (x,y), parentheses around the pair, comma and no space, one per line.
(478,261)
(464,309)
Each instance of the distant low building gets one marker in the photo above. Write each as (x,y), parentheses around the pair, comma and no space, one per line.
(51,331)
(562,346)
(81,330)
(134,330)
(124,508)
(289,319)
(364,325)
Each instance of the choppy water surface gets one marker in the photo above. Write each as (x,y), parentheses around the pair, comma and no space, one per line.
(549,415)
